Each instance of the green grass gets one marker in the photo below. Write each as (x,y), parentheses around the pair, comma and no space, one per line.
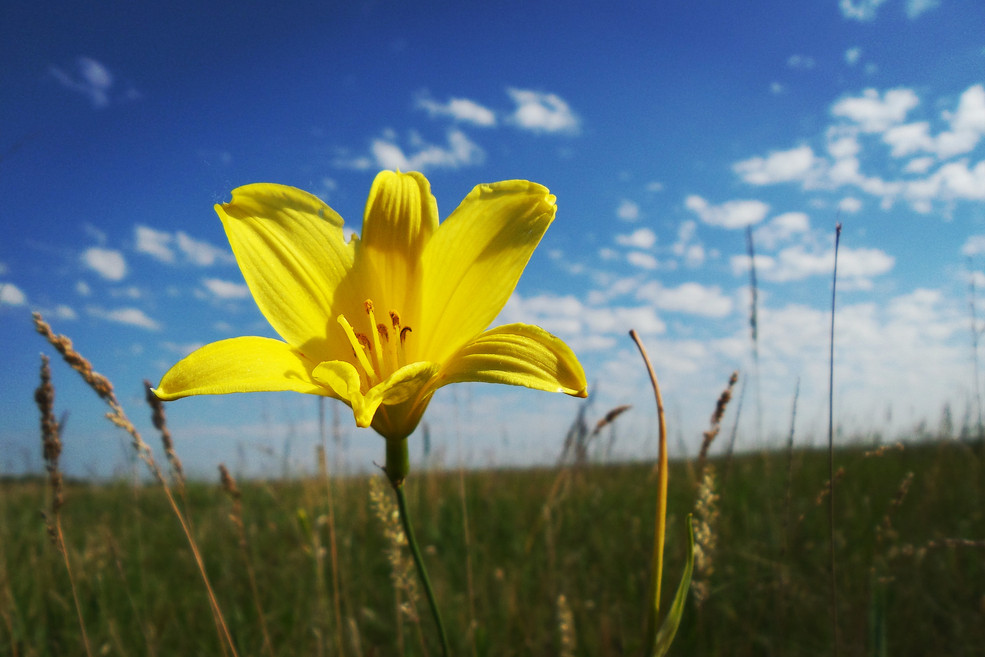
(535,534)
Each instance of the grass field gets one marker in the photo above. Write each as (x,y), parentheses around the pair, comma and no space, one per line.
(908,545)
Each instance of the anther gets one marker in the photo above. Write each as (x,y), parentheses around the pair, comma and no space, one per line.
(395,319)
(403,334)
(384,333)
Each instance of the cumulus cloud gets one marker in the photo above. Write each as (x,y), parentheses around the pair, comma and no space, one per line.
(801,62)
(689,298)
(458,152)
(849,204)
(782,228)
(542,112)
(166,247)
(777,166)
(93,80)
(796,263)
(731,214)
(916,7)
(859,10)
(974,245)
(226,289)
(108,263)
(131,316)
(874,112)
(155,243)
(642,238)
(628,210)
(966,126)
(642,260)
(459,109)
(584,326)
(852,55)
(922,169)
(11,295)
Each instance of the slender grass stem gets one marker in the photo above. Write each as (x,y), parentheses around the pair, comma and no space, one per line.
(831,453)
(660,531)
(419,564)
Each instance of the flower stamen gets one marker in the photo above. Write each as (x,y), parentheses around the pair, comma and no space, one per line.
(360,345)
(377,346)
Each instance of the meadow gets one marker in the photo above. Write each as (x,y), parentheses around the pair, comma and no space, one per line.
(548,561)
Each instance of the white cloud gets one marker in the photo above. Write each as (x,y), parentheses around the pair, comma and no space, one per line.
(689,298)
(542,112)
(459,109)
(919,165)
(859,10)
(781,228)
(694,255)
(154,243)
(628,210)
(106,262)
(131,316)
(966,123)
(182,350)
(878,118)
(852,55)
(199,252)
(458,152)
(65,312)
(974,245)
(778,166)
(92,79)
(875,113)
(226,289)
(849,204)
(642,238)
(619,320)
(11,295)
(731,214)
(642,260)
(165,247)
(796,263)
(909,138)
(801,62)
(916,7)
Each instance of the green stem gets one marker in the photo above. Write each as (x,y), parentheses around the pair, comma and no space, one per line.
(419,563)
(396,468)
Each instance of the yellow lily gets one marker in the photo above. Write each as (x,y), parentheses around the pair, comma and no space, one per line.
(383,321)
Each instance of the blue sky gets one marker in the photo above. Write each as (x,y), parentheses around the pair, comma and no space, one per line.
(664,130)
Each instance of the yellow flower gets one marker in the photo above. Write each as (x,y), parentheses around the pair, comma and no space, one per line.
(383,321)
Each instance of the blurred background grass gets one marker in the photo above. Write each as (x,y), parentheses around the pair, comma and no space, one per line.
(584,532)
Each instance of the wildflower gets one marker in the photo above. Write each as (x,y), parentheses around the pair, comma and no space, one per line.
(382,321)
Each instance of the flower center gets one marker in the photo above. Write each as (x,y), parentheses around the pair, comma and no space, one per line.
(380,350)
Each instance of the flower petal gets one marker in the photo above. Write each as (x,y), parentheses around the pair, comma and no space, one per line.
(249,364)
(518,355)
(401,215)
(290,247)
(473,262)
(398,388)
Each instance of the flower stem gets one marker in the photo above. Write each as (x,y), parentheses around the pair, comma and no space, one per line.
(419,563)
(396,468)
